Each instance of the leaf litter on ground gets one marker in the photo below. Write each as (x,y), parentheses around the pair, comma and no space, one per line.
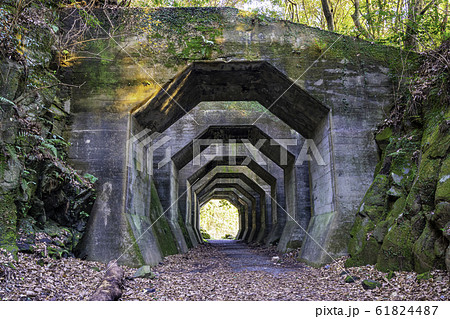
(206,273)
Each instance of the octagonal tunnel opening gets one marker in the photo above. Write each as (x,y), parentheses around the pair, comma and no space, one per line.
(219,219)
(244,83)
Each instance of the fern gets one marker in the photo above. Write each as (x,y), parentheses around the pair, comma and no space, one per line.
(51,147)
(5,100)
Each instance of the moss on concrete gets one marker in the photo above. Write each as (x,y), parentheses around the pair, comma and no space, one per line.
(161,228)
(130,249)
(184,231)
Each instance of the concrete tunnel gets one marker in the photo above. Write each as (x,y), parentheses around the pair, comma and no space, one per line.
(274,215)
(275,200)
(183,152)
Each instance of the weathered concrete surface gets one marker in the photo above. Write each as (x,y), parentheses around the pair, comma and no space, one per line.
(338,88)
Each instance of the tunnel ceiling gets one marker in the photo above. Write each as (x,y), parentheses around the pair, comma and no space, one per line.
(231,197)
(237,189)
(240,176)
(232,161)
(237,133)
(233,81)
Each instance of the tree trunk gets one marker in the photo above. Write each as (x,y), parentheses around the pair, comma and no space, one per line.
(328,13)
(111,287)
(356,20)
(414,8)
(444,22)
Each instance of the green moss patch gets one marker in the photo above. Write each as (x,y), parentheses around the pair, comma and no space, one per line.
(396,250)
(8,223)
(161,228)
(429,250)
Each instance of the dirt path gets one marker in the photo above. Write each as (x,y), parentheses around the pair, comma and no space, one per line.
(228,270)
(241,258)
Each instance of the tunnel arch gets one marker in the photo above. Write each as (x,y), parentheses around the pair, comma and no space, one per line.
(240,81)
(243,206)
(194,189)
(272,149)
(248,198)
(358,89)
(237,134)
(261,218)
(236,162)
(232,81)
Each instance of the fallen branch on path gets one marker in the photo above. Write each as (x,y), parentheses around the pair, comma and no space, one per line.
(111,287)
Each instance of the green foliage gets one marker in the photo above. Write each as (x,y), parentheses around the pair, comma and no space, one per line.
(50,147)
(412,24)
(83,214)
(219,219)
(91,178)
(187,3)
(417,25)
(204,234)
(424,276)
(5,100)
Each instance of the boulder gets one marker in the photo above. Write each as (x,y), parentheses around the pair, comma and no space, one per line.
(350,279)
(370,284)
(144,272)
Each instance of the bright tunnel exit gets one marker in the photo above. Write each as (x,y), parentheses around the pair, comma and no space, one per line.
(219,219)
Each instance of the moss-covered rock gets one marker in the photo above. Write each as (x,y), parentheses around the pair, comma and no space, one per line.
(436,139)
(383,137)
(443,185)
(370,284)
(144,272)
(413,227)
(376,194)
(8,223)
(396,250)
(371,224)
(441,216)
(366,255)
(429,250)
(423,191)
